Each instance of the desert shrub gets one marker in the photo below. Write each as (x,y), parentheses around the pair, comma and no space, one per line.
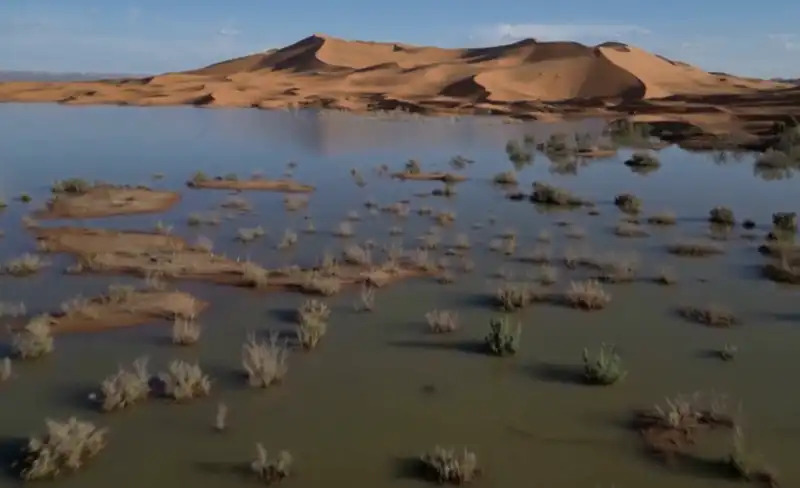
(551,195)
(745,465)
(587,295)
(513,296)
(344,229)
(264,362)
(288,240)
(255,275)
(695,248)
(413,167)
(666,275)
(25,265)
(366,298)
(605,368)
(503,338)
(663,218)
(249,234)
(628,203)
(785,221)
(271,470)
(76,186)
(625,229)
(712,315)
(125,387)
(6,370)
(221,417)
(184,381)
(641,159)
(616,268)
(312,318)
(728,352)
(442,321)
(518,152)
(721,215)
(65,447)
(505,178)
(355,254)
(448,466)
(185,331)
(547,275)
(317,282)
(34,340)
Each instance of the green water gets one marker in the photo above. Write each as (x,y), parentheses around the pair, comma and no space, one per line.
(381,389)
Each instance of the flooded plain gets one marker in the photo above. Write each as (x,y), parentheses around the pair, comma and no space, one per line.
(381,389)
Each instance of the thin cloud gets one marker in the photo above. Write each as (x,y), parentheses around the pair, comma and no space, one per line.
(228,32)
(557,32)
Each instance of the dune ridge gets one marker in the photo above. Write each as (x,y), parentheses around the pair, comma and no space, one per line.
(522,79)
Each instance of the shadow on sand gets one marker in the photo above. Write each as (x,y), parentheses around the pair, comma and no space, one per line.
(11,448)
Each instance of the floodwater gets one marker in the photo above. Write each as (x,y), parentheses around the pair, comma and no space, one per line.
(380,389)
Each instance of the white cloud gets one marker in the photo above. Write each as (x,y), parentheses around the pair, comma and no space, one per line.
(558,32)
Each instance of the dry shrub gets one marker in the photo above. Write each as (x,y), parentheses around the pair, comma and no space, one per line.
(124,388)
(271,470)
(695,248)
(65,448)
(587,295)
(666,275)
(185,331)
(448,466)
(312,318)
(34,340)
(625,229)
(442,321)
(663,218)
(264,362)
(713,315)
(628,203)
(184,381)
(25,265)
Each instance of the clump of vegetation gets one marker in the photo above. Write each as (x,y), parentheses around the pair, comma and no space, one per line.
(518,152)
(641,159)
(513,296)
(587,295)
(185,331)
(695,248)
(344,229)
(744,465)
(625,229)
(366,297)
(442,321)
(628,203)
(288,240)
(264,362)
(666,276)
(75,186)
(124,388)
(616,268)
(550,195)
(25,265)
(663,218)
(505,178)
(271,470)
(712,315)
(448,466)
(184,381)
(249,234)
(34,340)
(221,417)
(728,352)
(503,338)
(721,216)
(312,319)
(66,447)
(785,221)
(605,368)
(5,370)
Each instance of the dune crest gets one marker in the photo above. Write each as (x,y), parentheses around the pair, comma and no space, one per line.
(523,79)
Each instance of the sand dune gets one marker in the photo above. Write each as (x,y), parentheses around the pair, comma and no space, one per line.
(519,79)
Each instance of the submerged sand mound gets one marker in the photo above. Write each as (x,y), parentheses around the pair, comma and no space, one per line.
(168,257)
(107,200)
(124,306)
(520,79)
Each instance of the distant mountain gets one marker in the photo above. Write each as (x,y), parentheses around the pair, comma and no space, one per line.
(51,76)
(794,81)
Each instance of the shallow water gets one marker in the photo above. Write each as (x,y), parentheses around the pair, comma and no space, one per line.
(380,389)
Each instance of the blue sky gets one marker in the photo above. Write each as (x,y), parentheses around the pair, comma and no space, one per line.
(149,36)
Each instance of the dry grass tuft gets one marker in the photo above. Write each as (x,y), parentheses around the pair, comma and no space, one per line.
(713,315)
(587,295)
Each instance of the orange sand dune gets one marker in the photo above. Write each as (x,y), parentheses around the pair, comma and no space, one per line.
(522,79)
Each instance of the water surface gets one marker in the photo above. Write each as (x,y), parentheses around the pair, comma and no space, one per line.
(380,389)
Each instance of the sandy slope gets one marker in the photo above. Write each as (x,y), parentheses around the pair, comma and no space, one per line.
(519,79)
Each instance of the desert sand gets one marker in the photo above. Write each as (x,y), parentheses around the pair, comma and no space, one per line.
(105,201)
(152,255)
(526,79)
